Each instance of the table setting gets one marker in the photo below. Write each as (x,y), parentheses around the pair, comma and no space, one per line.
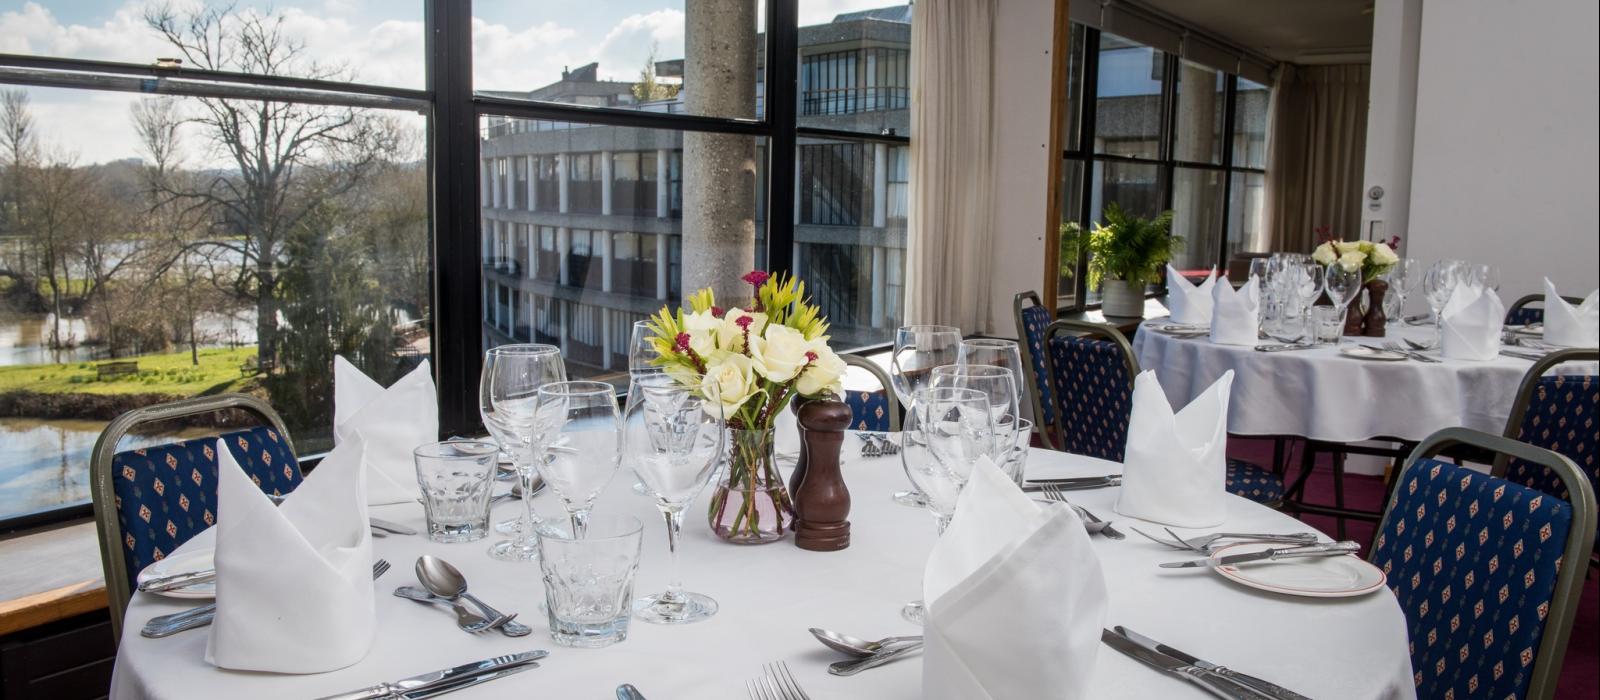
(1027,583)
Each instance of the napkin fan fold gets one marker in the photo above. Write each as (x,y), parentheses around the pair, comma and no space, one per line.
(393,421)
(1234,319)
(1571,326)
(1175,465)
(1470,324)
(1190,304)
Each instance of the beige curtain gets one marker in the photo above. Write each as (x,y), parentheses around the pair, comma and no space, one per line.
(1315,154)
(952,153)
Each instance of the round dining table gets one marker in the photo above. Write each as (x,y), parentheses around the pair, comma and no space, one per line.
(1321,394)
(770,595)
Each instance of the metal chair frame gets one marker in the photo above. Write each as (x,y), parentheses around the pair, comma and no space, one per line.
(1580,539)
(883,380)
(113,560)
(1100,330)
(1530,384)
(1531,298)
(1046,433)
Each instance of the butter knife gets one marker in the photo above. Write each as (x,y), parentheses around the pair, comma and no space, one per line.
(1276,691)
(391,526)
(1033,487)
(854,666)
(167,583)
(1215,684)
(444,677)
(447,687)
(1316,550)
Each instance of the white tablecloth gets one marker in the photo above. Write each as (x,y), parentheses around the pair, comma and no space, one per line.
(770,595)
(1323,395)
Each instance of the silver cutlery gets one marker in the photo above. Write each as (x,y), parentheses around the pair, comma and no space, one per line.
(1418,319)
(1204,543)
(626,691)
(1273,690)
(391,526)
(1522,354)
(174,581)
(168,625)
(1074,480)
(453,678)
(776,683)
(1054,493)
(1317,550)
(855,646)
(850,667)
(515,494)
(1392,346)
(1213,683)
(446,581)
(484,677)
(1099,482)
(469,622)
(1284,347)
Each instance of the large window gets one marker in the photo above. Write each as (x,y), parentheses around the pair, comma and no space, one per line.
(1155,132)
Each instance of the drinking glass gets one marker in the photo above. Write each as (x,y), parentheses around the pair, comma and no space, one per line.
(1485,276)
(1328,322)
(673,439)
(1437,286)
(996,352)
(582,433)
(1310,280)
(641,354)
(1342,285)
(588,580)
(456,479)
(508,397)
(1016,459)
(998,386)
(1402,279)
(1261,270)
(638,380)
(947,430)
(917,350)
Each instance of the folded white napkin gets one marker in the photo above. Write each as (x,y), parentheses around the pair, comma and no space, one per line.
(1568,325)
(294,583)
(1190,304)
(393,421)
(1233,313)
(1016,598)
(1175,467)
(1470,324)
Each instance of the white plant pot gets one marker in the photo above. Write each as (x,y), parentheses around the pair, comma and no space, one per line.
(1122,298)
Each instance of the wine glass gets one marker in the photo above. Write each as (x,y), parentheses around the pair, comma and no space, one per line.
(638,382)
(917,350)
(641,354)
(1261,270)
(996,352)
(998,385)
(581,429)
(1485,276)
(1437,286)
(947,430)
(673,438)
(1342,285)
(508,395)
(1402,279)
(1310,280)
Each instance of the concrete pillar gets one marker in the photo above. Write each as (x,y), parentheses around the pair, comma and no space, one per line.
(605,260)
(605,338)
(663,265)
(869,100)
(530,166)
(533,321)
(663,184)
(606,175)
(880,184)
(499,182)
(563,249)
(562,314)
(1193,207)
(531,235)
(879,282)
(494,243)
(719,169)
(563,181)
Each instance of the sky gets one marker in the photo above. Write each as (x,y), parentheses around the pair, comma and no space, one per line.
(517,45)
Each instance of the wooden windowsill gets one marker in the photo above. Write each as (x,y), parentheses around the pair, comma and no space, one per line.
(1153,308)
(50,575)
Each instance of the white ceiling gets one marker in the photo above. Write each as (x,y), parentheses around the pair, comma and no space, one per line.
(1300,31)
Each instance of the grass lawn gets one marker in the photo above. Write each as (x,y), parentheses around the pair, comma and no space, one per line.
(169,373)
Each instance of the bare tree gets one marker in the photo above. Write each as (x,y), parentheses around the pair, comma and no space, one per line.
(19,147)
(180,231)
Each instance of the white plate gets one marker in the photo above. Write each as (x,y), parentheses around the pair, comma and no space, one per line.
(1312,577)
(198,560)
(1362,352)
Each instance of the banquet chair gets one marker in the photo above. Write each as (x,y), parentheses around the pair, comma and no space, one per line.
(1032,319)
(149,501)
(1475,562)
(1521,314)
(1556,413)
(1092,367)
(872,410)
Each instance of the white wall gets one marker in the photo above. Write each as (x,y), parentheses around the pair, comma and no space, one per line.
(1508,140)
(1022,153)
(1391,118)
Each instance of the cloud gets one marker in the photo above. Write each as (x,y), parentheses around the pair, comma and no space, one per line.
(626,47)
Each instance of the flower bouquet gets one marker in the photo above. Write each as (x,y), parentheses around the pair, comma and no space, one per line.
(1373,260)
(752,362)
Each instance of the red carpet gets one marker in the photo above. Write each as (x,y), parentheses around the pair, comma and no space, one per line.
(1580,670)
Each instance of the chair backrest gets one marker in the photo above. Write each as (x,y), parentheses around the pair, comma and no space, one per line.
(1476,563)
(1557,413)
(1521,312)
(149,501)
(1092,367)
(872,410)
(1032,319)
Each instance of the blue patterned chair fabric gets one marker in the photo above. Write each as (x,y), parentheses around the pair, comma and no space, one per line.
(1034,320)
(869,410)
(166,495)
(1473,561)
(1524,315)
(1560,418)
(1254,482)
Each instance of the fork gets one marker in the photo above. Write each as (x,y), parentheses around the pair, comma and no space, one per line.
(1392,346)
(167,625)
(1204,543)
(1054,493)
(776,683)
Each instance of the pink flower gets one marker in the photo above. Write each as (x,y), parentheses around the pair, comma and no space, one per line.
(683,342)
(717,312)
(811,356)
(744,322)
(756,278)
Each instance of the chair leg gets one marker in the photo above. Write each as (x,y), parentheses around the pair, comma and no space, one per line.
(1338,489)
(1278,465)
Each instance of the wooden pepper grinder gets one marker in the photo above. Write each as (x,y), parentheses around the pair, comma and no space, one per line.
(821,501)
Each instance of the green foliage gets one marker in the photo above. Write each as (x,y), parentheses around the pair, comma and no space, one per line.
(1124,247)
(165,373)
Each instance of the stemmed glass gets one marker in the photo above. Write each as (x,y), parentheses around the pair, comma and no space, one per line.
(673,439)
(997,385)
(1342,285)
(994,352)
(1261,269)
(917,350)
(1437,286)
(581,431)
(1402,279)
(642,370)
(508,396)
(1309,280)
(947,431)
(1485,276)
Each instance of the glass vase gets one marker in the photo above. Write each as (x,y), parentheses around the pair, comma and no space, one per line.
(751,504)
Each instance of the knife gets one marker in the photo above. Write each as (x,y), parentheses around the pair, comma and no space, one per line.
(1033,487)
(1268,687)
(445,677)
(1074,480)
(391,526)
(854,666)
(1316,550)
(484,677)
(1213,683)
(167,583)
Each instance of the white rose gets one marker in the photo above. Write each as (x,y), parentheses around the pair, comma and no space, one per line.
(780,353)
(1347,247)
(824,374)
(1352,260)
(703,330)
(1383,255)
(731,336)
(1324,254)
(730,382)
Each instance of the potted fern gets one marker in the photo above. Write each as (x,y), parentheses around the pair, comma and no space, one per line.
(1126,252)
